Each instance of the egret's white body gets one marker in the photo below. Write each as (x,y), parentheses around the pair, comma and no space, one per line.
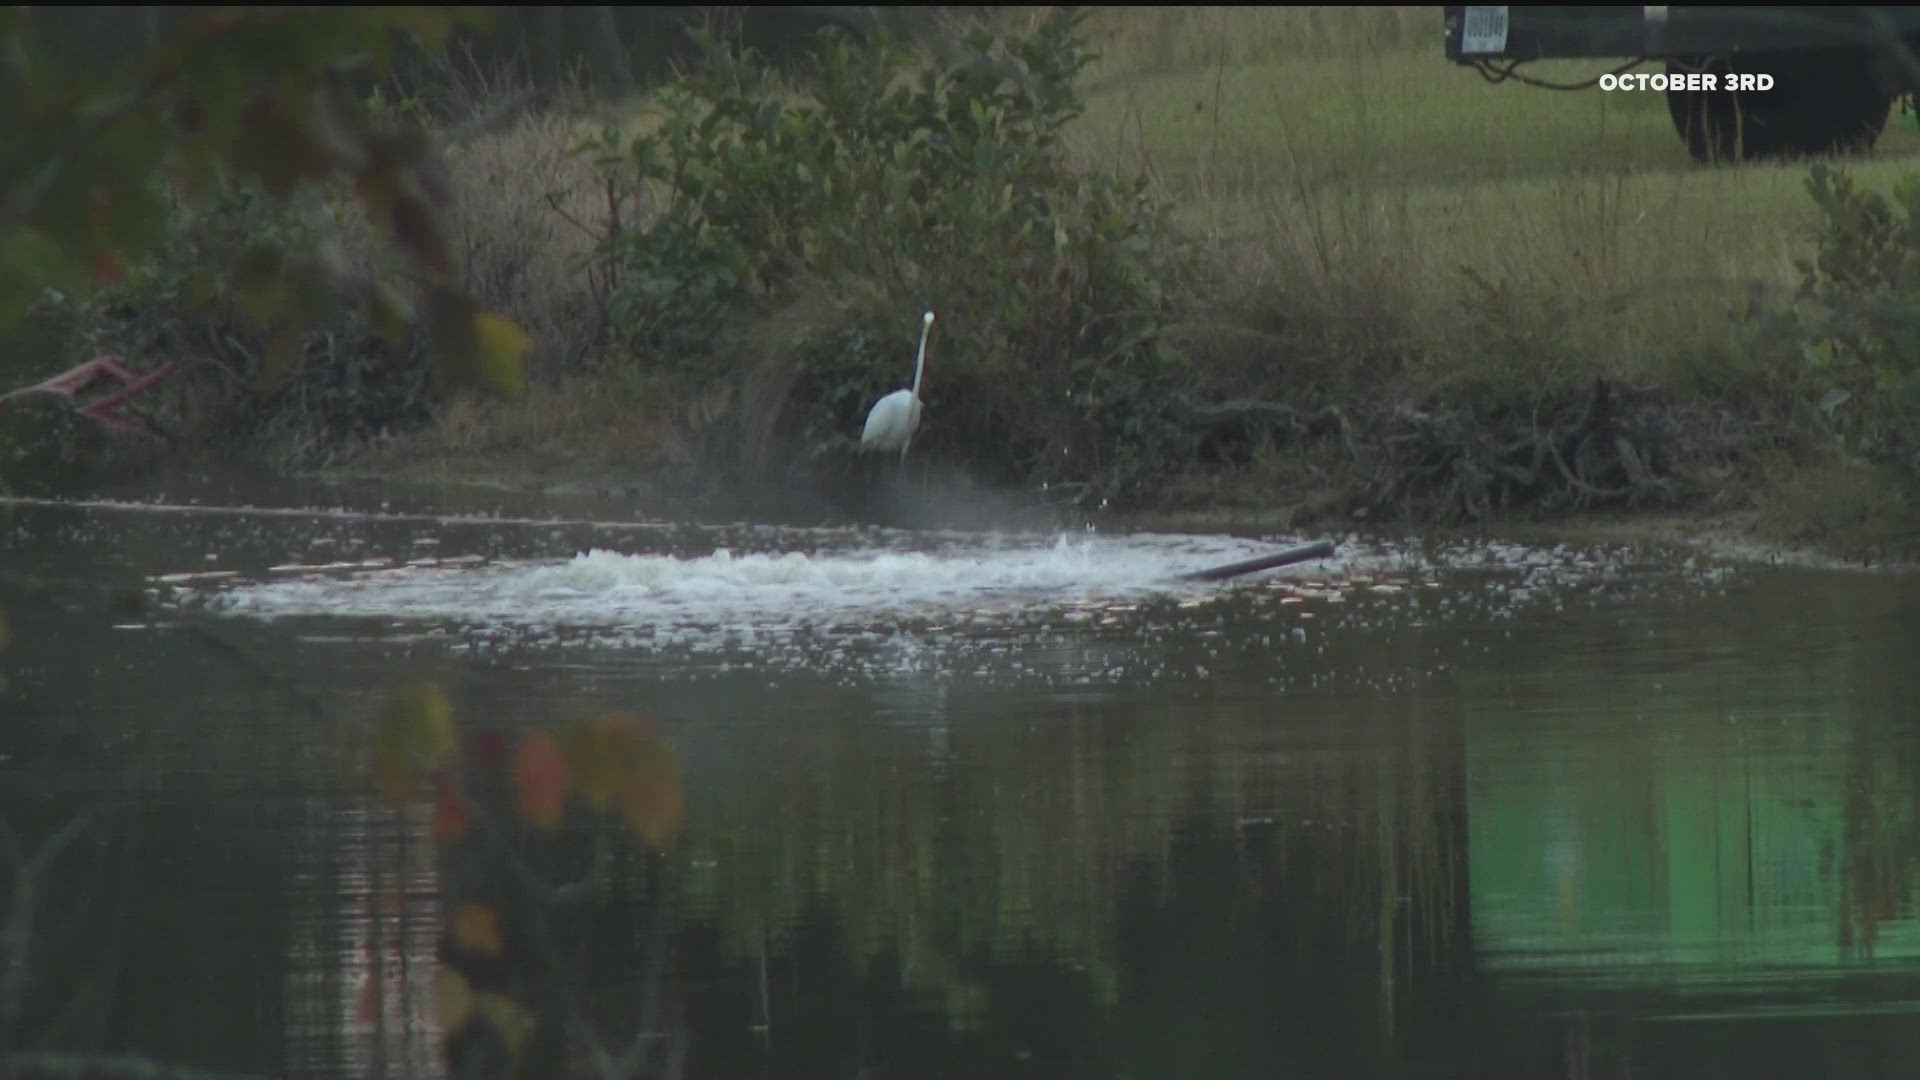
(891,424)
(892,421)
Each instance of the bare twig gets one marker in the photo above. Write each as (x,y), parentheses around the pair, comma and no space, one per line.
(1578,484)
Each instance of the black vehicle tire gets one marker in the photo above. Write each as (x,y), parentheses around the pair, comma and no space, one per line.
(1822,102)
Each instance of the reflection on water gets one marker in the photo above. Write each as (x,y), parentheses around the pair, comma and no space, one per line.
(374,944)
(983,806)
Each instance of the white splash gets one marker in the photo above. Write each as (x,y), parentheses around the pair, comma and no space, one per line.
(1077,609)
(609,589)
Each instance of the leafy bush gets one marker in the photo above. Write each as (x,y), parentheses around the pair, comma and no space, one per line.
(123,184)
(193,297)
(892,184)
(1859,333)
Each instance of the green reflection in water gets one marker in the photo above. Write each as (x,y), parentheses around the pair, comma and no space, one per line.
(1195,872)
(1680,809)
(1725,806)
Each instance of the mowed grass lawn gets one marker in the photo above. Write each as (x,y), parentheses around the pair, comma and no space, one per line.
(1341,167)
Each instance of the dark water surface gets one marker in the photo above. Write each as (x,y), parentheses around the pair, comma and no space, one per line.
(970,805)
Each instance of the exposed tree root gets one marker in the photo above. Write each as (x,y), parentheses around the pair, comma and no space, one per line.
(1458,463)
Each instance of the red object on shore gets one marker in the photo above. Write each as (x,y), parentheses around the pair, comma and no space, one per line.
(104,410)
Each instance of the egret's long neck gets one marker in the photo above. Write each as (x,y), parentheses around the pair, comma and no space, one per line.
(920,361)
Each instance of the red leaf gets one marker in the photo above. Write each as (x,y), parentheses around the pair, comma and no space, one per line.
(487,748)
(540,778)
(451,814)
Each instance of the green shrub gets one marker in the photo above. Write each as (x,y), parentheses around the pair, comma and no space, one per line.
(257,96)
(1860,335)
(892,184)
(193,298)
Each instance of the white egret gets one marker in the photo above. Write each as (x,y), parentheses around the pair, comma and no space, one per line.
(894,417)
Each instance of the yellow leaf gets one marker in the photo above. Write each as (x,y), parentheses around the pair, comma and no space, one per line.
(416,737)
(509,1019)
(592,751)
(653,802)
(619,764)
(500,355)
(476,928)
(651,797)
(474,348)
(452,999)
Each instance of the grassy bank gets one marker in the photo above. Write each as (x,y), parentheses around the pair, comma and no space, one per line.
(1379,219)
(1347,172)
(1386,291)
(1383,219)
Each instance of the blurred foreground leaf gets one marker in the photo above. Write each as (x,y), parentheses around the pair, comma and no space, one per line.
(540,780)
(500,356)
(508,1018)
(476,928)
(416,738)
(474,349)
(451,814)
(621,765)
(97,164)
(452,999)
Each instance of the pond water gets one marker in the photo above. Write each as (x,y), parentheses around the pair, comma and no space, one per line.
(965,804)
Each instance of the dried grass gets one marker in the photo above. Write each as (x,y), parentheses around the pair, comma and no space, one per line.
(1376,201)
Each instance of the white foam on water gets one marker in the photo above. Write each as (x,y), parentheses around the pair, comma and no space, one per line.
(1076,609)
(609,589)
